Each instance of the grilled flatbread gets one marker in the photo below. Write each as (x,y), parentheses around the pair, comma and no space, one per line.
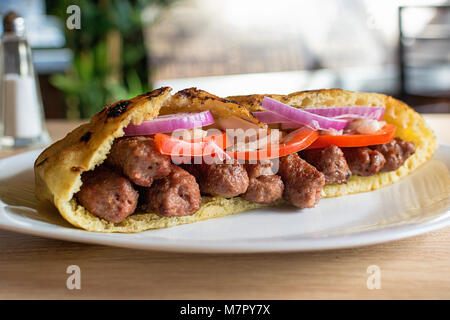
(58,169)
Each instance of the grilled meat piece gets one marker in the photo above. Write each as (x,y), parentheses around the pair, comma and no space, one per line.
(303,183)
(264,186)
(224,180)
(331,162)
(177,194)
(139,160)
(395,152)
(107,194)
(363,161)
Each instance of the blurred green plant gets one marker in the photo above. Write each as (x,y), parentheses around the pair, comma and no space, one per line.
(110,57)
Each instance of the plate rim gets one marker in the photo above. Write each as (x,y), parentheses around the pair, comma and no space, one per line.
(332,242)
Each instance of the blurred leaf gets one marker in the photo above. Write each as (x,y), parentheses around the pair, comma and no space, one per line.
(65,83)
(88,83)
(135,85)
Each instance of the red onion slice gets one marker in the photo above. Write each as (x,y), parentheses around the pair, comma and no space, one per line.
(314,121)
(350,112)
(341,113)
(170,123)
(269,117)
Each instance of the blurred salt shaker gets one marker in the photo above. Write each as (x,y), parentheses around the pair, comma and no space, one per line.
(21,112)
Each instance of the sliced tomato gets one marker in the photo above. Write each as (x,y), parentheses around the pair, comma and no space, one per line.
(220,138)
(385,135)
(298,141)
(174,146)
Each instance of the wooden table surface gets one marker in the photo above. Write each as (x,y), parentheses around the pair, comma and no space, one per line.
(33,267)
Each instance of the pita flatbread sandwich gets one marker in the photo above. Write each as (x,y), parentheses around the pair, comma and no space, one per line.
(161,159)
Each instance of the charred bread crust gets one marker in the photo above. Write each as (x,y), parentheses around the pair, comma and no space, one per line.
(193,99)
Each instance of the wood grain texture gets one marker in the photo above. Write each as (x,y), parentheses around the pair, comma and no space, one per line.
(33,267)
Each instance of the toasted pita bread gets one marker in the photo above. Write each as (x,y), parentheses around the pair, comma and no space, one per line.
(58,169)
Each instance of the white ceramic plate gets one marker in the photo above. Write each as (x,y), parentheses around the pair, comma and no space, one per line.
(417,204)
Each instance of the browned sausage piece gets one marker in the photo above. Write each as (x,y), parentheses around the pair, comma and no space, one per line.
(264,187)
(223,180)
(107,194)
(303,183)
(139,160)
(395,152)
(331,162)
(177,194)
(364,161)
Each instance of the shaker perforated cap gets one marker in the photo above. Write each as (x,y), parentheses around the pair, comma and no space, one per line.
(13,23)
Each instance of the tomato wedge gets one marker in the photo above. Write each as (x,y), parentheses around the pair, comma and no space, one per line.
(297,141)
(384,135)
(174,146)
